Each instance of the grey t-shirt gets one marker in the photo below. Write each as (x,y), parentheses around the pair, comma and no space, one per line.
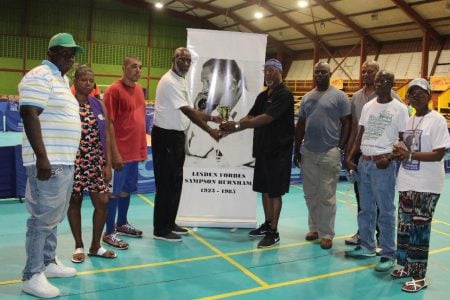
(360,98)
(322,112)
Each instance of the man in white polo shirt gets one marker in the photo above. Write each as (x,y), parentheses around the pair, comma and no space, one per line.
(52,135)
(173,113)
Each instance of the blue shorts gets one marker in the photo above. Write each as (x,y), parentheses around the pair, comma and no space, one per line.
(125,181)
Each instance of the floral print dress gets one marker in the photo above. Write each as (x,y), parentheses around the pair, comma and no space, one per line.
(90,160)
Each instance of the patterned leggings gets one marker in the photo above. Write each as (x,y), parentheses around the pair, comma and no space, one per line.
(415,213)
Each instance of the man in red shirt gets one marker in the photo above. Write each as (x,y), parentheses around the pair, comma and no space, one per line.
(125,103)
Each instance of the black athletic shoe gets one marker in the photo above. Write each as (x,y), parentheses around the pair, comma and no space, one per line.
(170,237)
(261,230)
(179,230)
(271,239)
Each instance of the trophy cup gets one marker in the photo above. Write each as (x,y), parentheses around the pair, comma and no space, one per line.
(224,112)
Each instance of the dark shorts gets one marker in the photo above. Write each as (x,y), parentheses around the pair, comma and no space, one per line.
(272,175)
(125,181)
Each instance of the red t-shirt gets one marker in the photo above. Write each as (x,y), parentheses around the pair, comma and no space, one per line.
(126,110)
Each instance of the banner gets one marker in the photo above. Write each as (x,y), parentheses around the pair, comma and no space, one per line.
(225,77)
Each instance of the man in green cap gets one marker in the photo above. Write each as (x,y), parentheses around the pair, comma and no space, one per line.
(52,135)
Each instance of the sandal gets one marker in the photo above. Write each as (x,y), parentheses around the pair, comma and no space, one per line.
(78,256)
(414,286)
(102,252)
(400,273)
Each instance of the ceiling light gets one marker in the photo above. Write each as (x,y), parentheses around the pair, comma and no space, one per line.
(302,3)
(322,25)
(258,15)
(159,5)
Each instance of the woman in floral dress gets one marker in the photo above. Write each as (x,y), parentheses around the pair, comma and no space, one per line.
(92,167)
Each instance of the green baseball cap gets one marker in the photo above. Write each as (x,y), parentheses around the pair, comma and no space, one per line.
(64,40)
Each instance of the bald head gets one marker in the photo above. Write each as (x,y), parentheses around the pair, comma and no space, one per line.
(368,71)
(322,75)
(181,61)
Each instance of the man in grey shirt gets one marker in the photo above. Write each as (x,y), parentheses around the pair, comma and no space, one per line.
(323,127)
(368,71)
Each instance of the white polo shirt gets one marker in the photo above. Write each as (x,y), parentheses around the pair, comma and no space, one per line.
(171,94)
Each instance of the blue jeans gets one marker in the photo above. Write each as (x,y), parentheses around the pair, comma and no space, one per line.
(377,189)
(47,202)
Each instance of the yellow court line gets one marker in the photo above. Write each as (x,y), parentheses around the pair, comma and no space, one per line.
(440,222)
(146,199)
(217,251)
(291,282)
(441,232)
(282,246)
(14,281)
(229,259)
(132,267)
(439,250)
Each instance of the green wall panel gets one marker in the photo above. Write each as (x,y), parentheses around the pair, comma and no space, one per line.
(161,58)
(31,63)
(9,82)
(152,93)
(108,54)
(121,27)
(11,46)
(48,17)
(107,69)
(118,30)
(11,63)
(10,17)
(158,72)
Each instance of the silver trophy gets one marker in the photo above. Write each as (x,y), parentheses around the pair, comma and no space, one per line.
(224,112)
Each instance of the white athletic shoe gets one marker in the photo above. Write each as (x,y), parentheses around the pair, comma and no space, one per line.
(57,269)
(39,286)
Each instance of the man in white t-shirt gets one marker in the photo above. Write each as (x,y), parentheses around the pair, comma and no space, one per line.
(382,123)
(173,113)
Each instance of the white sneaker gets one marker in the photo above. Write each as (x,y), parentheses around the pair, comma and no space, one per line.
(57,269)
(39,286)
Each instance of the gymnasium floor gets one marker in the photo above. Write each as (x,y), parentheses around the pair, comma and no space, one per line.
(214,263)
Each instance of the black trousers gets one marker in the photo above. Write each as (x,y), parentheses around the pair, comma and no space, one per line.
(168,160)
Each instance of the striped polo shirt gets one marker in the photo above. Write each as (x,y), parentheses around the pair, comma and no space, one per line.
(44,87)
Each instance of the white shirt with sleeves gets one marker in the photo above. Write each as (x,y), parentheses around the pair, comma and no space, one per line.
(382,124)
(171,94)
(46,88)
(431,133)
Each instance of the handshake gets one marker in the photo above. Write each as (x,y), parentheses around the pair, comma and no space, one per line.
(225,128)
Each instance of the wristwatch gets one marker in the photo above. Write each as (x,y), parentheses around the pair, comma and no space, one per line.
(237,126)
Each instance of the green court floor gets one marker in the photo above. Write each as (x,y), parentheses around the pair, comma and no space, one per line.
(217,263)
